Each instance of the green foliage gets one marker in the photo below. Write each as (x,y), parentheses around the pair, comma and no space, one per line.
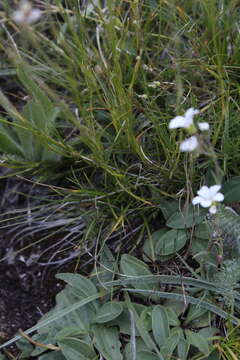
(171,242)
(29,136)
(228,222)
(84,324)
(108,312)
(228,277)
(94,91)
(160,325)
(231,190)
(186,218)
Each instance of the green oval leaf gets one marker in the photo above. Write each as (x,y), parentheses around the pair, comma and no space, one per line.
(171,342)
(8,144)
(203,231)
(168,207)
(171,242)
(194,312)
(107,342)
(53,355)
(83,287)
(172,317)
(74,349)
(108,312)
(124,323)
(160,324)
(187,218)
(198,341)
(150,245)
(183,349)
(131,266)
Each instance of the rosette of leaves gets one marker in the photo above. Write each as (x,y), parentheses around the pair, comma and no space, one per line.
(88,321)
(76,327)
(29,135)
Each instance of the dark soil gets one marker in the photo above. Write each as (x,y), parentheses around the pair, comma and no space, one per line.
(24,297)
(27,289)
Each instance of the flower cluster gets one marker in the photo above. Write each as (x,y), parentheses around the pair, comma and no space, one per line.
(186,122)
(208,197)
(26,14)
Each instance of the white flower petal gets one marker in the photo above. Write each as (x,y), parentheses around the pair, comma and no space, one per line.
(189,144)
(214,189)
(203,126)
(208,196)
(188,123)
(189,114)
(196,200)
(18,17)
(34,16)
(218,197)
(205,203)
(213,209)
(177,122)
(204,192)
(183,121)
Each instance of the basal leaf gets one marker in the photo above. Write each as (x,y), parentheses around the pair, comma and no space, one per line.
(106,340)
(73,349)
(140,347)
(172,316)
(160,324)
(186,218)
(149,247)
(53,355)
(108,312)
(198,341)
(106,269)
(131,266)
(168,207)
(69,332)
(8,144)
(203,231)
(171,343)
(171,242)
(123,320)
(183,349)
(25,75)
(194,312)
(83,287)
(208,333)
(25,347)
(140,326)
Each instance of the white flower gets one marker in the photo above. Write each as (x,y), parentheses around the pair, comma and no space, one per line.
(183,121)
(208,197)
(26,15)
(203,126)
(189,144)
(154,84)
(142,96)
